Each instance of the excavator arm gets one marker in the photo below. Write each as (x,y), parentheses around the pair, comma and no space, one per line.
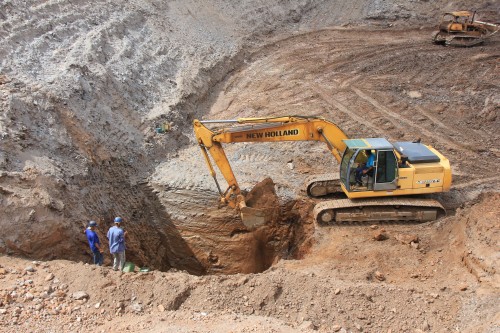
(291,128)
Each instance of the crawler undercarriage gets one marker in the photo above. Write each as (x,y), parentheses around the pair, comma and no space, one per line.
(343,210)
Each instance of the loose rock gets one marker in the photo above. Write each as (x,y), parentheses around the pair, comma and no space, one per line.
(80,295)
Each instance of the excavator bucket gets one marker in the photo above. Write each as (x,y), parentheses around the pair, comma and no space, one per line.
(253,218)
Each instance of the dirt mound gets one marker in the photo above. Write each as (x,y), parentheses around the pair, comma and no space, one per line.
(263,195)
(481,230)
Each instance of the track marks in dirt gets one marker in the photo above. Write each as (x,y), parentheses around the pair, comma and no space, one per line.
(328,98)
(434,119)
(363,80)
(476,182)
(404,124)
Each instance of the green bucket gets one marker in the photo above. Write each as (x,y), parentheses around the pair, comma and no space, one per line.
(129,267)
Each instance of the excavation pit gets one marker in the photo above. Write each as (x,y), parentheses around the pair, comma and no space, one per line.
(221,244)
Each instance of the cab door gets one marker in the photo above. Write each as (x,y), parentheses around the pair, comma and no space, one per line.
(386,171)
(346,168)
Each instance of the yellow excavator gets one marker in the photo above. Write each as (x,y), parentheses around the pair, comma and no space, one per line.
(386,186)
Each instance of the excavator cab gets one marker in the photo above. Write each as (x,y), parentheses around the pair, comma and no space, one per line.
(384,173)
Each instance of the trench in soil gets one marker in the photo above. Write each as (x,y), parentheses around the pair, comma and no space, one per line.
(210,240)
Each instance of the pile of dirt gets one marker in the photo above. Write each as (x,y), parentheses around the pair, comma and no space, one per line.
(263,195)
(478,248)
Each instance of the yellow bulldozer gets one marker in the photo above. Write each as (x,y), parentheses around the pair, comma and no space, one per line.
(379,180)
(461,29)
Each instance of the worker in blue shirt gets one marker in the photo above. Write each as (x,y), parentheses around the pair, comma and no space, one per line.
(370,162)
(365,168)
(94,243)
(116,237)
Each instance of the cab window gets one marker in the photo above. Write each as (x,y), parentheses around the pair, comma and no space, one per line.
(386,166)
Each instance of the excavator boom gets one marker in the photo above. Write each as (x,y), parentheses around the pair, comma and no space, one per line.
(271,129)
(293,128)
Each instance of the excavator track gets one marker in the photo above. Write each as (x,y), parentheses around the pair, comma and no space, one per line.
(342,211)
(324,184)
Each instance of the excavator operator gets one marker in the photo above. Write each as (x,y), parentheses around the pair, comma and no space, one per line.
(365,168)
